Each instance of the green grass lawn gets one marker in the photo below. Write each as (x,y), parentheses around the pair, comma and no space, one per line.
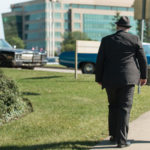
(55,66)
(68,114)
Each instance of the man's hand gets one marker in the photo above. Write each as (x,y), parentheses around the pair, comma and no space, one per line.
(143,82)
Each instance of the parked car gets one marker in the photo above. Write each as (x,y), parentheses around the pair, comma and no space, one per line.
(10,57)
(86,61)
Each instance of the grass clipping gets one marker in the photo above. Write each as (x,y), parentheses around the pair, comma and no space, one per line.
(12,104)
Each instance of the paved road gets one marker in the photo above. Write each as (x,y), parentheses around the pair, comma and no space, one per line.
(57,70)
(139,135)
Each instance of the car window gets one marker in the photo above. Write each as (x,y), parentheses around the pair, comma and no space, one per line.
(4,44)
(147,49)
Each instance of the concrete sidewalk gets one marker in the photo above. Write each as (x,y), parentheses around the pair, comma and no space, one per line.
(139,135)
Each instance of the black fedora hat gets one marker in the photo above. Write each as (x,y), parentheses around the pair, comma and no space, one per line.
(124,21)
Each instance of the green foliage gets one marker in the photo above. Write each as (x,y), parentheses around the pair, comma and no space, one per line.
(69,43)
(11,103)
(68,114)
(138,28)
(10,26)
(14,40)
(146,29)
(114,20)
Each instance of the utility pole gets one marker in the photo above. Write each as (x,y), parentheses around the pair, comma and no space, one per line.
(142,21)
(142,12)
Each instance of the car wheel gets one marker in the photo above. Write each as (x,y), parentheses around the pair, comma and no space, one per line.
(88,68)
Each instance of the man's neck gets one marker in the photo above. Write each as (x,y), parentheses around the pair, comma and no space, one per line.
(123,29)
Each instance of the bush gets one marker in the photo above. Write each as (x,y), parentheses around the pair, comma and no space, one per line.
(12,105)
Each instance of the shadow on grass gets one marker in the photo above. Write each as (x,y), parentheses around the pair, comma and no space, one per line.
(106,144)
(30,93)
(75,145)
(45,77)
(53,77)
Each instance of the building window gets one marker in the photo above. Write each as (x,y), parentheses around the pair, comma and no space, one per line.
(35,36)
(37,16)
(17,9)
(75,5)
(77,16)
(35,26)
(58,44)
(66,26)
(57,6)
(87,6)
(66,6)
(26,36)
(66,16)
(103,7)
(58,34)
(57,15)
(35,7)
(26,27)
(27,18)
(77,25)
(57,25)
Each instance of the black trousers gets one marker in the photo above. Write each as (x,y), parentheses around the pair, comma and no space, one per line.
(120,104)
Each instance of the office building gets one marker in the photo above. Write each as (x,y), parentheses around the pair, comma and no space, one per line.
(42,23)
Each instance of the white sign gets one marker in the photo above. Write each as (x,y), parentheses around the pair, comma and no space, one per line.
(87,46)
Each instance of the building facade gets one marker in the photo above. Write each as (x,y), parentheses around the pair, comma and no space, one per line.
(42,23)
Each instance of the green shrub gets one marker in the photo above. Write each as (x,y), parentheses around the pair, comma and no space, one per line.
(12,105)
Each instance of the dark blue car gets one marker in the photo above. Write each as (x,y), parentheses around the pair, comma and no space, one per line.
(86,62)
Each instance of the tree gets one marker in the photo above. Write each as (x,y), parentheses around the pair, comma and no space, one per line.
(146,29)
(138,28)
(69,43)
(115,19)
(14,40)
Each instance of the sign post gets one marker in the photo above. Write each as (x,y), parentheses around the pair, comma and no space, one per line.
(76,61)
(142,12)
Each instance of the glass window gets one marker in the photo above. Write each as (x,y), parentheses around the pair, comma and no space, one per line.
(35,7)
(57,15)
(58,34)
(77,25)
(98,26)
(75,5)
(26,27)
(17,9)
(66,26)
(103,7)
(35,35)
(66,16)
(87,6)
(131,9)
(35,26)
(57,5)
(37,16)
(57,25)
(77,16)
(66,6)
(58,44)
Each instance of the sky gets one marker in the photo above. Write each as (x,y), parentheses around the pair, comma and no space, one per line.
(5,7)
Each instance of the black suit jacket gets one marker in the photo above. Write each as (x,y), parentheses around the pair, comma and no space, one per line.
(121,60)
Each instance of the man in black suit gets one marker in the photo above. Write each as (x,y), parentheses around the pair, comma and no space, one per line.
(121,64)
